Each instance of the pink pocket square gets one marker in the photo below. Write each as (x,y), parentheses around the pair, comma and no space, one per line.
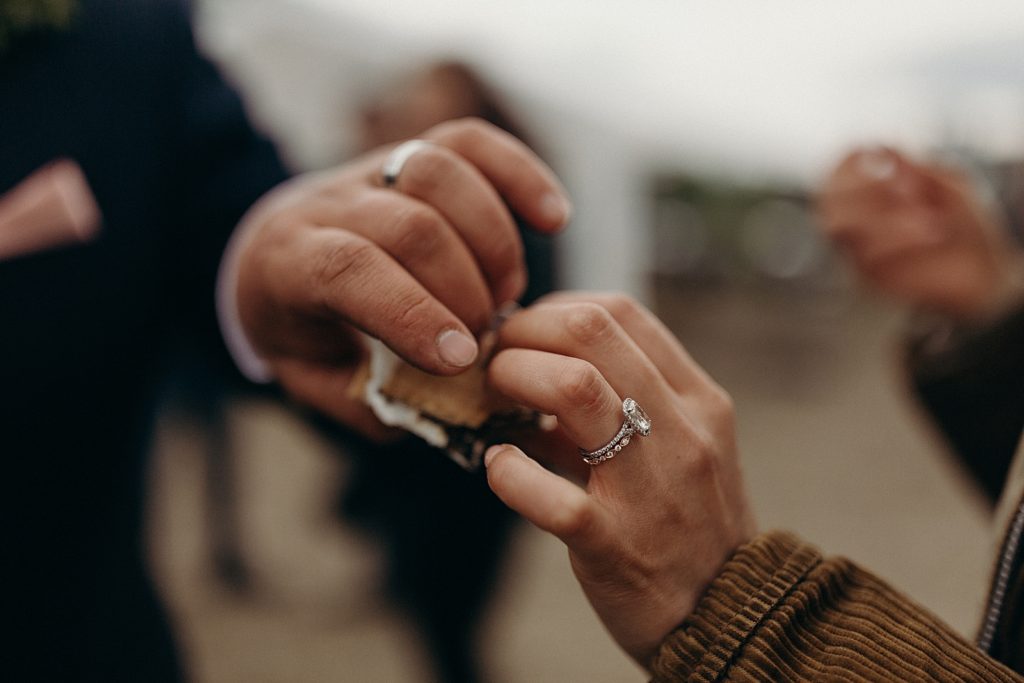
(53,207)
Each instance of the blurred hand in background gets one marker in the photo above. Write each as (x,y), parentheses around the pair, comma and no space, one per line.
(919,233)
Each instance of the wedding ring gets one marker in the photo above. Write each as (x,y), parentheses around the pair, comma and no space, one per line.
(636,421)
(396,160)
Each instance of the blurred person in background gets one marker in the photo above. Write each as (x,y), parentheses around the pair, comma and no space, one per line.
(444,532)
(924,235)
(125,165)
(659,528)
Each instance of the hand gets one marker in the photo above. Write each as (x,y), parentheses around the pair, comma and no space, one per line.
(420,266)
(918,233)
(650,528)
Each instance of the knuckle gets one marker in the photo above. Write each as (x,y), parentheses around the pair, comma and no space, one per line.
(429,170)
(343,262)
(418,234)
(582,385)
(721,406)
(623,307)
(410,310)
(505,252)
(704,463)
(574,518)
(469,131)
(589,324)
(280,223)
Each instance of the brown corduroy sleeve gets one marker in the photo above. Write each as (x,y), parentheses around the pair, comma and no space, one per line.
(780,612)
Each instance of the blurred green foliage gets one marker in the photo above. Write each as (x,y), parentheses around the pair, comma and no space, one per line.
(20,17)
(719,224)
(722,203)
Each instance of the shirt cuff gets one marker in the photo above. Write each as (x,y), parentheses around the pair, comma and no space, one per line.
(242,351)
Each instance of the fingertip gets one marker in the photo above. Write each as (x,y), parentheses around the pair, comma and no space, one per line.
(555,209)
(496,450)
(503,463)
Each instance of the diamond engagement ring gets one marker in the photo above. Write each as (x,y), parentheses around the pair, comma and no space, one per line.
(397,158)
(637,422)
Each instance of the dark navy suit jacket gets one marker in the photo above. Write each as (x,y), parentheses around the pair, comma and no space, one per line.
(173,163)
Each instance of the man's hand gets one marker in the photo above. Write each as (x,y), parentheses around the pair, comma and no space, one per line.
(421,266)
(918,233)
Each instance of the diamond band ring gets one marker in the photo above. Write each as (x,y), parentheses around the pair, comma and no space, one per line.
(397,158)
(637,421)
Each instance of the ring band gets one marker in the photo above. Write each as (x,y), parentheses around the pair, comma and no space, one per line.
(396,160)
(636,421)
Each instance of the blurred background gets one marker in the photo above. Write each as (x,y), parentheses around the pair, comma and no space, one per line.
(690,136)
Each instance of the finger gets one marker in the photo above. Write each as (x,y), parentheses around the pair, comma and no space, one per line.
(587,408)
(701,396)
(428,247)
(891,234)
(865,185)
(325,389)
(899,234)
(650,334)
(589,332)
(344,276)
(469,203)
(904,232)
(545,499)
(520,177)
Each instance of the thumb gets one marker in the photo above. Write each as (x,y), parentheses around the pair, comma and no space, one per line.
(550,502)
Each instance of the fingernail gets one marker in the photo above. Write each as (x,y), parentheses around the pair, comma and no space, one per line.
(492,452)
(456,348)
(556,208)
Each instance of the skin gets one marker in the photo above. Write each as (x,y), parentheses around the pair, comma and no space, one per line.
(917,233)
(648,530)
(420,266)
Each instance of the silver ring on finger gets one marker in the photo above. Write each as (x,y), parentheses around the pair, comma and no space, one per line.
(636,422)
(394,162)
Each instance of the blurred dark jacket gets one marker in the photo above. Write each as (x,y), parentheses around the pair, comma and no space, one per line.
(972,383)
(173,163)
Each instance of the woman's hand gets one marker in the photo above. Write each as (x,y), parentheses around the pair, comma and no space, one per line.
(421,265)
(920,234)
(650,528)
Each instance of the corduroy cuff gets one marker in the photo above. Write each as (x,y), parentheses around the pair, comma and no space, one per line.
(757,577)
